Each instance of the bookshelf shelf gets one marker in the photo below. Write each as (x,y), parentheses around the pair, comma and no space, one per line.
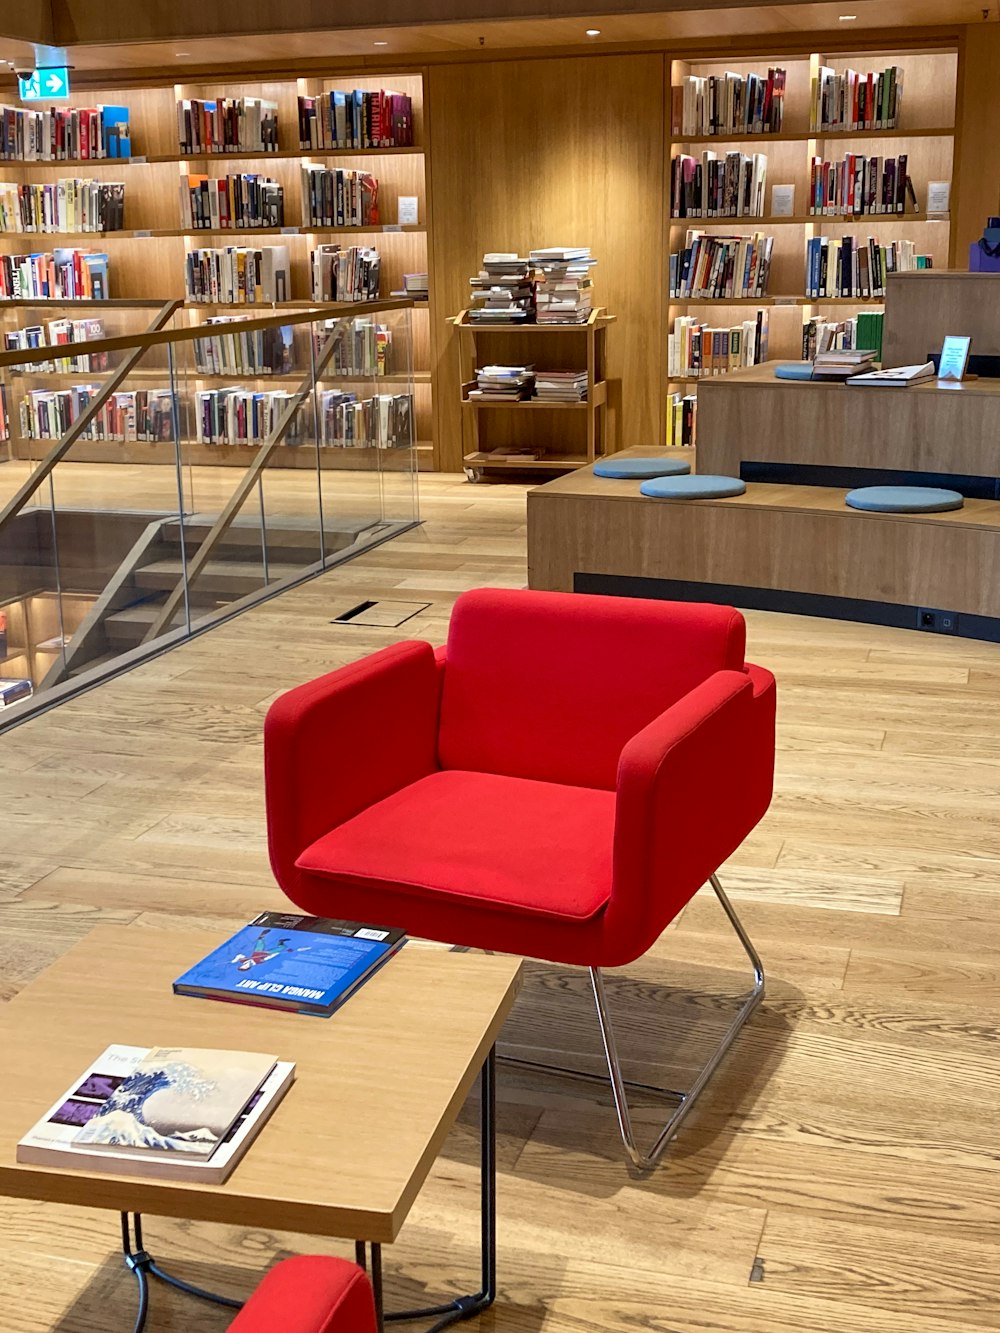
(776,301)
(479,459)
(528,404)
(804,136)
(164,233)
(810,219)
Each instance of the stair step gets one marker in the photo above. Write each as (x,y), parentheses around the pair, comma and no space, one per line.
(231,578)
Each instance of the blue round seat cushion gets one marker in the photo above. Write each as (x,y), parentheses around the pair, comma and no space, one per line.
(639,469)
(698,487)
(904,499)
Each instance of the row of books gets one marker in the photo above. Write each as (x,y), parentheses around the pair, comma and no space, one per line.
(383,421)
(68,204)
(863,330)
(227,125)
(134,414)
(362,347)
(348,273)
(244,352)
(335,197)
(238,275)
(243,416)
(4,426)
(696,349)
(721,266)
(59,275)
(682,419)
(60,333)
(853,101)
(728,104)
(853,267)
(219,203)
(356,119)
(711,187)
(64,134)
(859,185)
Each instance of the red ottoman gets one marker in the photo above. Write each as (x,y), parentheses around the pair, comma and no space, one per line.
(310,1295)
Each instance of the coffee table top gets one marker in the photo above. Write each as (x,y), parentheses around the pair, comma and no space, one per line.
(377,1086)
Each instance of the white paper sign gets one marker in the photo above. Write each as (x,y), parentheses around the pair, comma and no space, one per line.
(407,210)
(938,196)
(782,201)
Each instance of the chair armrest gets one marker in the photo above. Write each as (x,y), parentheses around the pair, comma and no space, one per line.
(342,742)
(691,786)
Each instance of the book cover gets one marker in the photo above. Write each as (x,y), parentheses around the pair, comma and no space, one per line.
(311,964)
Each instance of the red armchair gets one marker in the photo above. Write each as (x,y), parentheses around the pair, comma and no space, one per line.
(310,1294)
(558,782)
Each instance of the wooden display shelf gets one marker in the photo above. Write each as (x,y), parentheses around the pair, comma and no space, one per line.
(479,459)
(596,319)
(806,219)
(597,397)
(803,136)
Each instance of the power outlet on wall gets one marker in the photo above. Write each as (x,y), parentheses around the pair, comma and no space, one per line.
(938,622)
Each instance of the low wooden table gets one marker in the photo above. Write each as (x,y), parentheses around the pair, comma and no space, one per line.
(377,1088)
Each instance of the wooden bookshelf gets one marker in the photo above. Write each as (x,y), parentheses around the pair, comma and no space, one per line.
(146,259)
(553,347)
(926,134)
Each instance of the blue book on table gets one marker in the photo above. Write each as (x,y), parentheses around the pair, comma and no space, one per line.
(308,964)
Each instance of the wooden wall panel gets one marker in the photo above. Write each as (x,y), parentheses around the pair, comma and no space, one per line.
(922,308)
(976,191)
(552,152)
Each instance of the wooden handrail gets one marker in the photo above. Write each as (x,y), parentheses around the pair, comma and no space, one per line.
(63,445)
(297,315)
(235,502)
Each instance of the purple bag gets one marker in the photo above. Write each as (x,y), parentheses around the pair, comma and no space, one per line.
(984,254)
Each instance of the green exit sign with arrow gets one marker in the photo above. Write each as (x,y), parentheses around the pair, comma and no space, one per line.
(45,84)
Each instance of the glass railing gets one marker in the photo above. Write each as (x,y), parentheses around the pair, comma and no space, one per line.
(159,482)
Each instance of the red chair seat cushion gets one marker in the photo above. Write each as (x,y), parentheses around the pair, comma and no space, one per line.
(309,1294)
(507,844)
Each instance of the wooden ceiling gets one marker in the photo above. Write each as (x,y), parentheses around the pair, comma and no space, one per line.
(722,28)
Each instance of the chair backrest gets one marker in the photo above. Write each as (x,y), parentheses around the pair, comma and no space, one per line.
(552,685)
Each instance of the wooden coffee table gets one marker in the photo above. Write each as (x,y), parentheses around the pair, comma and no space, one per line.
(377,1088)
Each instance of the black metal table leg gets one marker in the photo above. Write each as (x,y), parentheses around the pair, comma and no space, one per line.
(464,1307)
(143,1265)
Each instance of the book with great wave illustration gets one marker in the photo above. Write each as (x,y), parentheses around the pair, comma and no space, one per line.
(283,961)
(172,1112)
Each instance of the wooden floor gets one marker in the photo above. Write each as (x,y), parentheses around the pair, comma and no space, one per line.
(843,1175)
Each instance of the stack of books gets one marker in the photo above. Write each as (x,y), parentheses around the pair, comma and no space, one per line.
(714,187)
(561,386)
(60,333)
(66,205)
(695,349)
(415,286)
(856,268)
(172,1112)
(336,197)
(217,204)
(728,104)
(505,288)
(227,125)
(563,290)
(349,273)
(718,267)
(237,275)
(503,384)
(853,101)
(859,185)
(383,421)
(863,331)
(59,275)
(62,134)
(262,352)
(357,119)
(833,365)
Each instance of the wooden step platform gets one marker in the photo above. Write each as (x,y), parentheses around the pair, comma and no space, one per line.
(790,548)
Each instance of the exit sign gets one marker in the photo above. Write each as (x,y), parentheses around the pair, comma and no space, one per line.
(45,84)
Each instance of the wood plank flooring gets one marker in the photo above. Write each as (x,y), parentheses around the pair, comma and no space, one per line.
(843,1175)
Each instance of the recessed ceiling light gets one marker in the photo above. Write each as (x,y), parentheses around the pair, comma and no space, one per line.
(380,43)
(848,18)
(593,32)
(181,54)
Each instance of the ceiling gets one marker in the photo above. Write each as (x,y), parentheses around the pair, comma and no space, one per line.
(721,27)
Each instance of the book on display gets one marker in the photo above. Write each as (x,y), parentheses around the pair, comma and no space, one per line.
(899,377)
(172,1112)
(305,963)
